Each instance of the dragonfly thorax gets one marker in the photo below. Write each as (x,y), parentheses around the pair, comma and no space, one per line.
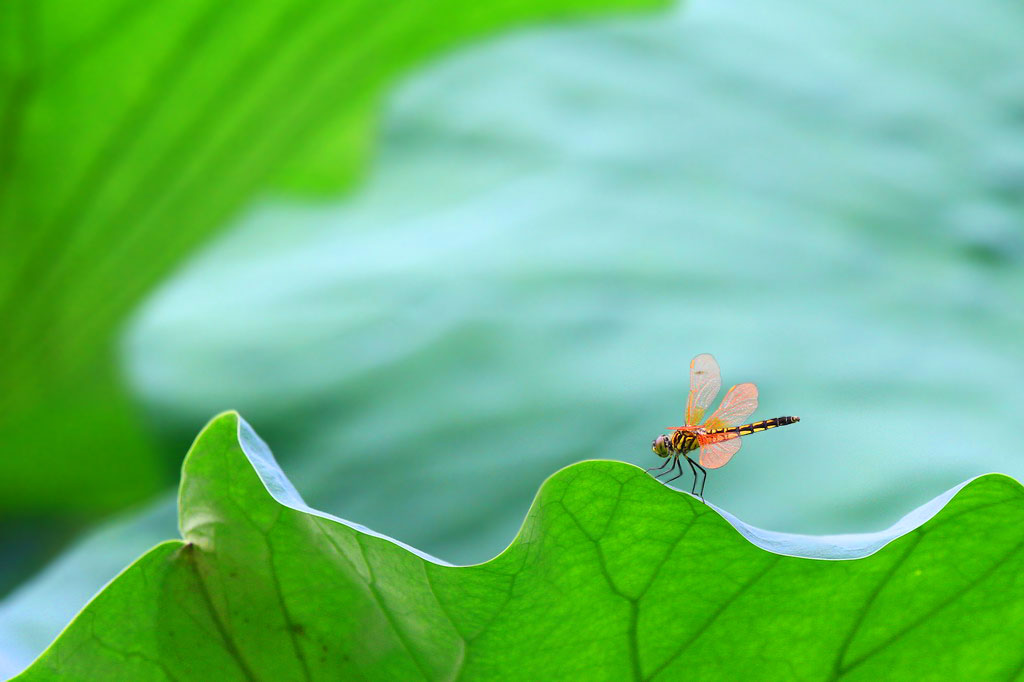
(684,441)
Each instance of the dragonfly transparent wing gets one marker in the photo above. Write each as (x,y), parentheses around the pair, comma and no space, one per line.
(737,405)
(718,449)
(705,383)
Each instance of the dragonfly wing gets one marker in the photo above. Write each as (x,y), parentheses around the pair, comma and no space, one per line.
(705,383)
(717,452)
(738,404)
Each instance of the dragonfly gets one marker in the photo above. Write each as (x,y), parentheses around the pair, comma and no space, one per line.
(719,437)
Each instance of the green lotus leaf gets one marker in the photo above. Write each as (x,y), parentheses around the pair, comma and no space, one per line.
(612,576)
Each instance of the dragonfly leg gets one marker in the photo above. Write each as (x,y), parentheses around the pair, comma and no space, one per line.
(693,490)
(680,464)
(703,480)
(668,460)
(672,468)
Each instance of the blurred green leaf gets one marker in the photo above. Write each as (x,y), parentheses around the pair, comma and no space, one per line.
(129,133)
(612,576)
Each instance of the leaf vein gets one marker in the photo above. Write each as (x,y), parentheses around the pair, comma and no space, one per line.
(190,552)
(858,622)
(699,632)
(386,612)
(938,607)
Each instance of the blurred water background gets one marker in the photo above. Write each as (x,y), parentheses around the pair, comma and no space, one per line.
(828,197)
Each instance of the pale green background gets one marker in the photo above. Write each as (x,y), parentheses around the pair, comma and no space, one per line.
(558,221)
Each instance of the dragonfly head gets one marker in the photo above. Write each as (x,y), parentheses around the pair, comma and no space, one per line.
(662,446)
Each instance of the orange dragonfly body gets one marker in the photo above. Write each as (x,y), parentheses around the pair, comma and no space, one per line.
(719,437)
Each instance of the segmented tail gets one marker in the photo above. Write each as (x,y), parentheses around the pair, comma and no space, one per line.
(754,427)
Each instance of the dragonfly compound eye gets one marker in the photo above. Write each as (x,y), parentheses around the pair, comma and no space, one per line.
(660,446)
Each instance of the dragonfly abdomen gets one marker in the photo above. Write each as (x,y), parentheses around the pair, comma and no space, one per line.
(754,427)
